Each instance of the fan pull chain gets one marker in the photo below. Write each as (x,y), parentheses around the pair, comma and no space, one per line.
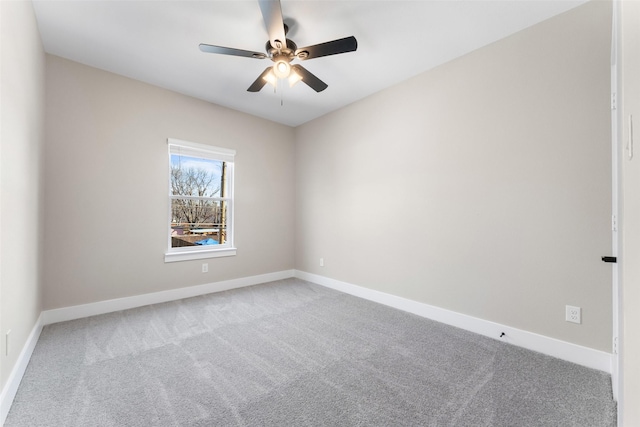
(275,91)
(281,93)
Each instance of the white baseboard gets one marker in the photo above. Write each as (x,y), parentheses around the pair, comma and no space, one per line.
(11,386)
(109,306)
(580,355)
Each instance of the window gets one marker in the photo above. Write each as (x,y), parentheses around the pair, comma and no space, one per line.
(200,201)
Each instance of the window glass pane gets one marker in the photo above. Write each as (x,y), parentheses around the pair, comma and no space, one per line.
(198,222)
(193,176)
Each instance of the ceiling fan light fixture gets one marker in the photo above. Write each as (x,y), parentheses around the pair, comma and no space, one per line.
(271,78)
(294,78)
(282,69)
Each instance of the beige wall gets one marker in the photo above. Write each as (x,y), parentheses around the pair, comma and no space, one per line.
(630,61)
(106,173)
(482,186)
(21,139)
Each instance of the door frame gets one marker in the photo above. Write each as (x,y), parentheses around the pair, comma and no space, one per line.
(616,156)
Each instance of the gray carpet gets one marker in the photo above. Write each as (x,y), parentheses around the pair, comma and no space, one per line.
(290,353)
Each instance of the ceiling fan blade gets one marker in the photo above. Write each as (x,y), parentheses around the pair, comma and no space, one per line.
(272,15)
(347,44)
(260,81)
(312,81)
(231,51)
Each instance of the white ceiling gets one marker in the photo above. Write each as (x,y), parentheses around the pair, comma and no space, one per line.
(157,42)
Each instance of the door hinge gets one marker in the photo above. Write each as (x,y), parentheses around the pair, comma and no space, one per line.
(614,223)
(614,100)
(615,345)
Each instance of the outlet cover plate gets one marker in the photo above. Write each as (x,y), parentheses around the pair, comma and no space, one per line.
(573,314)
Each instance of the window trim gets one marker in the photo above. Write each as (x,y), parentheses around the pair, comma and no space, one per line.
(207,152)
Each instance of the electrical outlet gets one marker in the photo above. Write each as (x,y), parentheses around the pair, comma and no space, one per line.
(205,267)
(573,314)
(321,262)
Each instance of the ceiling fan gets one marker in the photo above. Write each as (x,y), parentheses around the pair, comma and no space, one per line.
(283,51)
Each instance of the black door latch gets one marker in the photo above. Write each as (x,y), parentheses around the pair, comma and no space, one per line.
(609,259)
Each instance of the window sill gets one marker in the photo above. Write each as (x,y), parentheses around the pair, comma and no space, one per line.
(191,255)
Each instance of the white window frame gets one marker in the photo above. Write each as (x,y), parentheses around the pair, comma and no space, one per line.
(177,146)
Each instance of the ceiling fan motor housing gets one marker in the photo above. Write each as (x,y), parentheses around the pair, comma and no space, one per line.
(275,53)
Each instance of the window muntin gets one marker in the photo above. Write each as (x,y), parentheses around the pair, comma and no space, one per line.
(200,201)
